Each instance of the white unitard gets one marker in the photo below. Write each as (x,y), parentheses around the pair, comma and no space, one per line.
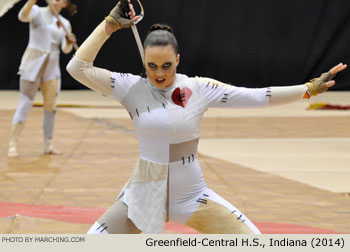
(40,64)
(167,183)
(46,36)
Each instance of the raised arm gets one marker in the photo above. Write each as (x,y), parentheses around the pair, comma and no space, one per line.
(219,94)
(24,13)
(81,66)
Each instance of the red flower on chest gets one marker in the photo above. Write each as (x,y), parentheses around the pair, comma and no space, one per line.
(181,96)
(58,24)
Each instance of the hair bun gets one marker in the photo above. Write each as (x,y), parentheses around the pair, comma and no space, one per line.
(164,27)
(71,8)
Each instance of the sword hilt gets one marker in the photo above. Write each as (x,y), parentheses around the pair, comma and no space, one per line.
(126,9)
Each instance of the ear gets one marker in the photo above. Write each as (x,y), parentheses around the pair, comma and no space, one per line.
(177,59)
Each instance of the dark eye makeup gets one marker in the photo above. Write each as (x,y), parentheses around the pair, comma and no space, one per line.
(166,65)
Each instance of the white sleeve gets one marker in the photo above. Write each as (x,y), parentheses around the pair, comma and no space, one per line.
(220,95)
(114,85)
(287,94)
(121,83)
(33,13)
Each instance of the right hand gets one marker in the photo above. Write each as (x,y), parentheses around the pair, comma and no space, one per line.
(71,37)
(117,18)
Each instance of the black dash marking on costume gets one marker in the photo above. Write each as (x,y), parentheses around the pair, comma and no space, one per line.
(112,80)
(112,86)
(243,220)
(268,92)
(131,116)
(206,195)
(101,226)
(224,99)
(217,85)
(189,159)
(103,229)
(192,157)
(137,113)
(239,217)
(183,160)
(234,211)
(181,97)
(163,105)
(204,201)
(148,109)
(268,95)
(208,84)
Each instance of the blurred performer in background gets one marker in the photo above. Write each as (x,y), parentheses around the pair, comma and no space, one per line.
(40,66)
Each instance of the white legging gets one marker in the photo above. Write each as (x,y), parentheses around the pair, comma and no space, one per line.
(50,90)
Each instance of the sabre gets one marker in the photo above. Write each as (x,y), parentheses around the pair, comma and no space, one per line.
(75,45)
(126,9)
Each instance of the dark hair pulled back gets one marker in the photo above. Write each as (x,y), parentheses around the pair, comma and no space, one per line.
(161,35)
(71,8)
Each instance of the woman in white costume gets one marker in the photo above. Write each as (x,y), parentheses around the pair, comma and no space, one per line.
(167,183)
(40,67)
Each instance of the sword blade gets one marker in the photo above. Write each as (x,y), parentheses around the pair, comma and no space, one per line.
(138,41)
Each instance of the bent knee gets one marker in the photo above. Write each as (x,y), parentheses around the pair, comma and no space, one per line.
(213,218)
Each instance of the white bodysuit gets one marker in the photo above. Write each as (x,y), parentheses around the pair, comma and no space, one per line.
(167,183)
(46,36)
(167,126)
